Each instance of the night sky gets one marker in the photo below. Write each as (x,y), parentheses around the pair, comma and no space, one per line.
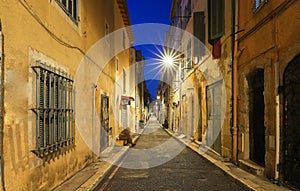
(149,11)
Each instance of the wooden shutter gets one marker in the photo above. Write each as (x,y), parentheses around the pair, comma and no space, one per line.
(199,33)
(216,21)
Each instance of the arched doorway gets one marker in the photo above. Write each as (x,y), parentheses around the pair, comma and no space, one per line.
(291,129)
(256,117)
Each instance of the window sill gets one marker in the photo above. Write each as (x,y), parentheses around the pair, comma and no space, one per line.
(55,149)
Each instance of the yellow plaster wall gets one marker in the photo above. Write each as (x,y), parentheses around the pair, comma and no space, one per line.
(24,37)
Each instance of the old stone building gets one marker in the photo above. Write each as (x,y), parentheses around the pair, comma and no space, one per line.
(115,88)
(202,100)
(256,48)
(141,89)
(268,82)
(45,45)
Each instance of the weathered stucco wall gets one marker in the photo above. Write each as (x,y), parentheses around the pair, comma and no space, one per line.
(25,40)
(224,65)
(269,37)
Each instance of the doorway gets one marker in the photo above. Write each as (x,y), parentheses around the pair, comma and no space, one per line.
(104,117)
(214,122)
(199,116)
(291,129)
(192,117)
(256,117)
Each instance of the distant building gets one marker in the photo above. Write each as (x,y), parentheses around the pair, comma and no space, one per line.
(143,92)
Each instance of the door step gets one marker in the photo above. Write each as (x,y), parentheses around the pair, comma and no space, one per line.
(251,167)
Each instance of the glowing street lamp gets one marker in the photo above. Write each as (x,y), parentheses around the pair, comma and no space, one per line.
(168,61)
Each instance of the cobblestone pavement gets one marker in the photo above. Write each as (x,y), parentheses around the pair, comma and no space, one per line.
(186,171)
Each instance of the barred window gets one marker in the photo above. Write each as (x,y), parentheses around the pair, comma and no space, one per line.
(54,109)
(70,8)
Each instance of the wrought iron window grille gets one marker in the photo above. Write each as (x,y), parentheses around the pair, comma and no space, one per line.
(70,8)
(55,123)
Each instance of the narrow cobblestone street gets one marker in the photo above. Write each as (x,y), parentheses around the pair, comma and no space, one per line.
(187,171)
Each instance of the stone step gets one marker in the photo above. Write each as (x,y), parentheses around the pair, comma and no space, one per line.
(251,167)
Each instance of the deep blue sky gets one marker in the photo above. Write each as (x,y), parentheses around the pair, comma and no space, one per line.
(149,11)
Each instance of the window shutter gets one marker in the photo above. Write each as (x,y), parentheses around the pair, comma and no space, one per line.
(216,21)
(199,33)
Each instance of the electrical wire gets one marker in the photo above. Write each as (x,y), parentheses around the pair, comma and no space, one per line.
(60,41)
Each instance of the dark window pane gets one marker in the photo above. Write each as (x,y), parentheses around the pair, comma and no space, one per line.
(70,6)
(75,9)
(64,2)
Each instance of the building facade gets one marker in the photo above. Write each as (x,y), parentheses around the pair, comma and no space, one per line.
(255,46)
(202,105)
(42,48)
(268,75)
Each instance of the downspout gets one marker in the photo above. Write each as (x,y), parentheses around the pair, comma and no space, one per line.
(234,129)
(136,82)
(94,88)
(277,121)
(277,109)
(1,108)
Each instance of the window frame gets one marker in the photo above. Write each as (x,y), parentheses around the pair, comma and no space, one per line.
(124,80)
(106,32)
(73,13)
(189,64)
(117,63)
(257,4)
(54,110)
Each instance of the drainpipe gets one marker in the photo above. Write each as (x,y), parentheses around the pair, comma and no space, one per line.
(94,89)
(234,129)
(277,121)
(136,82)
(277,109)
(1,108)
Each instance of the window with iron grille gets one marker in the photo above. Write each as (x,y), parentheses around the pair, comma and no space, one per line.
(54,109)
(70,8)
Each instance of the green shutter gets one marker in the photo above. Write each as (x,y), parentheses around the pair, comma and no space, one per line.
(199,33)
(216,20)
